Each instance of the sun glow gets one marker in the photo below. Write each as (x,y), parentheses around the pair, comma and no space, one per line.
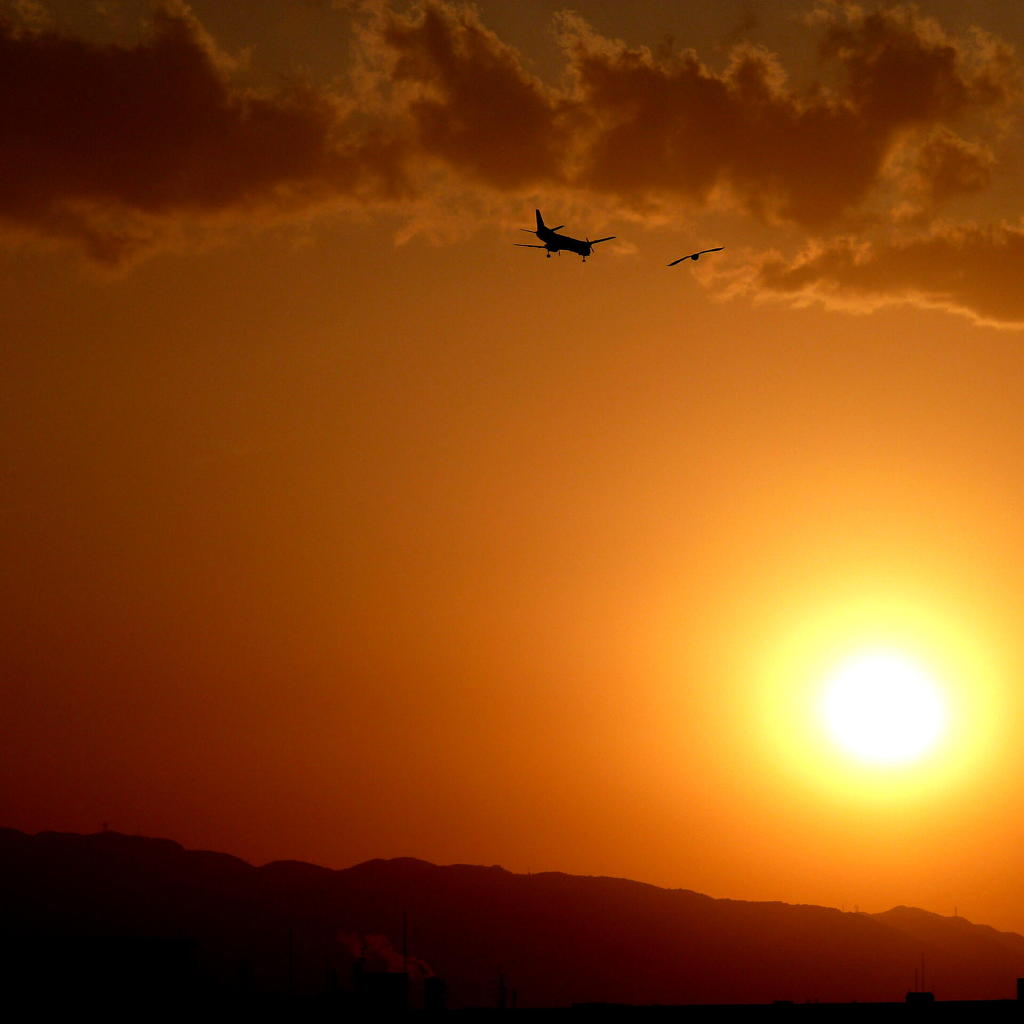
(881,700)
(882,706)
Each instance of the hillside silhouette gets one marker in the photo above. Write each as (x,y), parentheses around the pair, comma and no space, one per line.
(555,938)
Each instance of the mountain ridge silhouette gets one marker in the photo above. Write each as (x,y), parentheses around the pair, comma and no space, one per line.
(557,938)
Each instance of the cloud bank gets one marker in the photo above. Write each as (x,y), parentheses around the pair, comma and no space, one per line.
(116,147)
(109,146)
(812,156)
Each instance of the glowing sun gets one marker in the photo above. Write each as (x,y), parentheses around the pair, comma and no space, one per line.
(883,707)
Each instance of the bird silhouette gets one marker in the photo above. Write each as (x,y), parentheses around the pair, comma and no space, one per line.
(694,255)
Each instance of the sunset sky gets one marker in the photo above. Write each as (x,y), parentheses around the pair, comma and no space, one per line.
(336,527)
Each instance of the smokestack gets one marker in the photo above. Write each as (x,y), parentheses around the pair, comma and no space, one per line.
(434,994)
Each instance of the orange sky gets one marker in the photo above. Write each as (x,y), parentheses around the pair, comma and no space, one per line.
(337,527)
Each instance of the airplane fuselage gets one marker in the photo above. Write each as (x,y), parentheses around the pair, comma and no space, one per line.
(554,242)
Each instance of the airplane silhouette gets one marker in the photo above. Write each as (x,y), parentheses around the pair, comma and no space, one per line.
(556,243)
(694,256)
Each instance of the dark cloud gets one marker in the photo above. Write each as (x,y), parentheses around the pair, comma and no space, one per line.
(468,98)
(107,144)
(669,124)
(947,166)
(971,270)
(901,68)
(642,126)
(115,146)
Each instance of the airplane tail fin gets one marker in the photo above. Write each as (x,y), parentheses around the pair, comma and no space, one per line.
(540,221)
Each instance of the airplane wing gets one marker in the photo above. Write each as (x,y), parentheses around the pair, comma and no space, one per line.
(529,245)
(607,239)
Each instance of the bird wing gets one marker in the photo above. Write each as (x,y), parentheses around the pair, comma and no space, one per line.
(694,254)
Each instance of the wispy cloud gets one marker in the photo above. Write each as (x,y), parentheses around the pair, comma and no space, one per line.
(971,270)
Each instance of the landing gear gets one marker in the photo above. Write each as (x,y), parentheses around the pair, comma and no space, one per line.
(547,255)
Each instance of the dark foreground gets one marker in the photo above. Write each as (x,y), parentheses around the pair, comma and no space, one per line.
(284,1009)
